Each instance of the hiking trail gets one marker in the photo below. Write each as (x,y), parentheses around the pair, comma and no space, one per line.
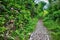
(40,33)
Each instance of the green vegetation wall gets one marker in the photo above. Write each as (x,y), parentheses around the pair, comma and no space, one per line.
(52,19)
(18,18)
(54,10)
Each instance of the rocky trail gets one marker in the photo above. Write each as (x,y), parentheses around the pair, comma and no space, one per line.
(40,33)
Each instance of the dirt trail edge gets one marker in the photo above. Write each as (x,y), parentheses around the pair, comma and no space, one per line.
(40,32)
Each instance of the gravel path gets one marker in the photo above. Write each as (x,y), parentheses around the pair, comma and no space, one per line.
(40,32)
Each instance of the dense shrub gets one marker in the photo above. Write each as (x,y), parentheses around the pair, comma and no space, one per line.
(52,19)
(18,18)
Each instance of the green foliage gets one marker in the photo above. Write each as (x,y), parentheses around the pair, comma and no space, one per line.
(2,29)
(18,18)
(52,19)
(54,29)
(54,10)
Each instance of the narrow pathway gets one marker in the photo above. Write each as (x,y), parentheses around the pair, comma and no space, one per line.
(40,32)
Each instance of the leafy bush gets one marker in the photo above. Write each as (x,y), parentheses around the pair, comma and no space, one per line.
(54,29)
(18,18)
(51,20)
